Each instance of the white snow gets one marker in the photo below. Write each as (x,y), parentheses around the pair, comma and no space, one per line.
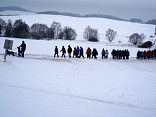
(123,29)
(42,86)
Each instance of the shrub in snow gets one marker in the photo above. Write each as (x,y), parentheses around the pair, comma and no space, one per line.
(147,44)
(110,35)
(136,39)
(91,34)
(69,33)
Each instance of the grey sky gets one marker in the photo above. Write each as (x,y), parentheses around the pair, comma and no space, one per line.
(143,9)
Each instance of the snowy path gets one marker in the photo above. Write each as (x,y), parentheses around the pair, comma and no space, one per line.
(80,97)
(39,85)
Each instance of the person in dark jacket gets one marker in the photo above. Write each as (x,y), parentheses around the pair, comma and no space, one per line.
(69,51)
(23,48)
(19,51)
(81,52)
(113,53)
(56,52)
(63,52)
(94,53)
(127,54)
(120,54)
(103,53)
(123,54)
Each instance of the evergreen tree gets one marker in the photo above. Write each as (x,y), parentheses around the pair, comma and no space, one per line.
(20,29)
(9,29)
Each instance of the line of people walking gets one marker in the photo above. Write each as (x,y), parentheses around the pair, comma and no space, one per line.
(146,54)
(120,54)
(78,52)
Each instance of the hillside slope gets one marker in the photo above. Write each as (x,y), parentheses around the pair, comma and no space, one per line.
(124,29)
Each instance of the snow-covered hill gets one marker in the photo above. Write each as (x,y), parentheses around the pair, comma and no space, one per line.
(40,85)
(14,10)
(123,29)
(14,13)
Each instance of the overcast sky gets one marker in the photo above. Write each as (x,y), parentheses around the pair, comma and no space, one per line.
(143,9)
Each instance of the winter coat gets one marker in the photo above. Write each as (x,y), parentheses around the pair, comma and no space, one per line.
(63,50)
(74,52)
(88,51)
(103,52)
(69,50)
(81,50)
(94,53)
(77,51)
(56,50)
(23,47)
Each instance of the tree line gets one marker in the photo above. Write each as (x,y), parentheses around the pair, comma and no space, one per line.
(39,31)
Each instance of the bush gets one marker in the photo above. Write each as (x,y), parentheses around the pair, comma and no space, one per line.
(93,39)
(146,44)
(69,33)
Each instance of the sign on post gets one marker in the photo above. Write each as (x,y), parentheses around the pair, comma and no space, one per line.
(7,46)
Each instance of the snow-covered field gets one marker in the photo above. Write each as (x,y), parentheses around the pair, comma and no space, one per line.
(40,85)
(123,29)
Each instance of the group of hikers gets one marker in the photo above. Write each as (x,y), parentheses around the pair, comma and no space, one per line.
(78,52)
(146,54)
(120,54)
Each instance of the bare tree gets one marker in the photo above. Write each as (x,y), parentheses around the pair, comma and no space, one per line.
(110,35)
(136,39)
(91,34)
(56,26)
